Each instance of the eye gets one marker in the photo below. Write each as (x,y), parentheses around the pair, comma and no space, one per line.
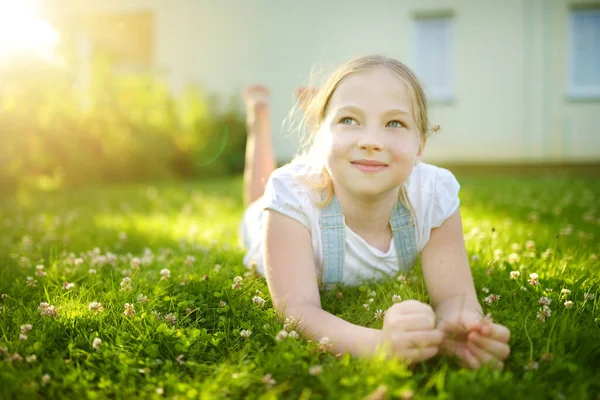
(346,120)
(395,124)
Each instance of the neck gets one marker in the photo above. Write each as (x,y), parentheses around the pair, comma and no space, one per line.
(367,215)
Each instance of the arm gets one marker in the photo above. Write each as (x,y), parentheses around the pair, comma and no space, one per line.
(447,272)
(292,280)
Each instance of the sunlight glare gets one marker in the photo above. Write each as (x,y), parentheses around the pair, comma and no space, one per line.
(22,29)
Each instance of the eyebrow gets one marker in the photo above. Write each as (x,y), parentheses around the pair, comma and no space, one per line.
(358,110)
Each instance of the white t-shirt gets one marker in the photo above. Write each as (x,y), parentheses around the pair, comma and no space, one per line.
(432,191)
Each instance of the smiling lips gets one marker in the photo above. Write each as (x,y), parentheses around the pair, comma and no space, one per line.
(369,165)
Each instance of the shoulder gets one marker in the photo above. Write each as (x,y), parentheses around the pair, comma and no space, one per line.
(288,194)
(432,179)
(288,178)
(433,192)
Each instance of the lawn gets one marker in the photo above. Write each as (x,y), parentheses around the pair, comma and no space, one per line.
(131,291)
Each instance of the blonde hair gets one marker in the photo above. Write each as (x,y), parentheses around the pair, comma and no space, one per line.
(315,109)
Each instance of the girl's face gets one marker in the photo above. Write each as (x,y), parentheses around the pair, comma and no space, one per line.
(371,139)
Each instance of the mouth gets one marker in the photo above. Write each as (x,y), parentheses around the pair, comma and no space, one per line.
(369,165)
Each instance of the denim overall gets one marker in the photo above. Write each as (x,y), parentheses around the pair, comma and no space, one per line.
(332,235)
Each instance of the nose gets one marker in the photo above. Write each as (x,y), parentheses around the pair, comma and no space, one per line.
(369,140)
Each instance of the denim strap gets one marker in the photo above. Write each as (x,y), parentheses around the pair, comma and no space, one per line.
(332,225)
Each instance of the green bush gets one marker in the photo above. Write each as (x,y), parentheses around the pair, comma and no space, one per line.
(57,134)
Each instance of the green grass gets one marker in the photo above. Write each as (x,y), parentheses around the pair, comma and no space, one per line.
(140,354)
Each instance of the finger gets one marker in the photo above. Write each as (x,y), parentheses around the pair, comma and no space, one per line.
(497,332)
(410,323)
(422,339)
(417,355)
(470,359)
(497,349)
(413,307)
(484,358)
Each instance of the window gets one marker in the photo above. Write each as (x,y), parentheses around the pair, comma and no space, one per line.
(584,53)
(432,54)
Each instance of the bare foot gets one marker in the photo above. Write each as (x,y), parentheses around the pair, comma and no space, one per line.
(305,95)
(256,95)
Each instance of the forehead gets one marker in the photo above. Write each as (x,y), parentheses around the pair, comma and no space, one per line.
(379,88)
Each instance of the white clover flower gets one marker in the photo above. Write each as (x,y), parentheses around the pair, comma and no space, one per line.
(31,358)
(379,314)
(47,309)
(129,310)
(545,301)
(315,370)
(95,307)
(222,303)
(533,279)
(78,261)
(491,298)
(171,318)
(396,299)
(126,284)
(588,296)
(514,274)
(31,282)
(565,292)
(45,379)
(258,300)
(281,335)
(165,274)
(544,313)
(401,278)
(245,333)
(294,335)
(513,258)
(498,254)
(237,283)
(290,323)
(26,328)
(40,270)
(92,271)
(485,290)
(268,380)
(474,258)
(68,286)
(189,260)
(324,344)
(97,343)
(22,336)
(142,299)
(530,245)
(367,306)
(135,263)
(217,267)
(568,304)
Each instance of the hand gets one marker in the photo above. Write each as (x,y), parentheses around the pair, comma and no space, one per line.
(409,331)
(475,340)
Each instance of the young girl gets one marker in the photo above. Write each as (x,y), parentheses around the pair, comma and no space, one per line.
(358,204)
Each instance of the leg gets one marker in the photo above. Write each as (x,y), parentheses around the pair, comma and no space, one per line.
(260,158)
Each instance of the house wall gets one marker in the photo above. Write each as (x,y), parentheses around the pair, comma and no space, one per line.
(509,62)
